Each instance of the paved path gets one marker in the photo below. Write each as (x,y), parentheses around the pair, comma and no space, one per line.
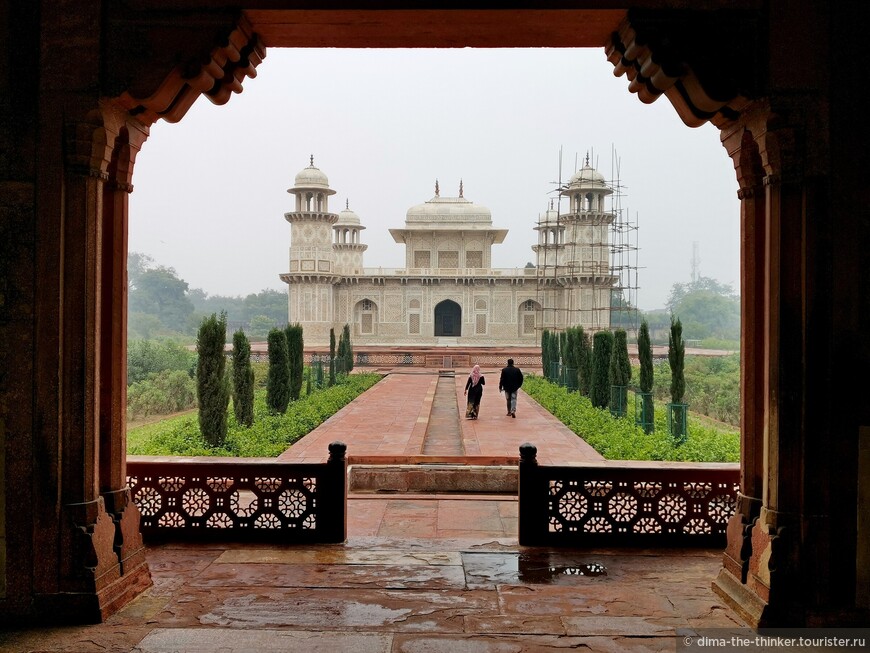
(388,424)
(418,573)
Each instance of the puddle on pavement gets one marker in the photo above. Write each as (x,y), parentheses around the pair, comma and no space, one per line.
(548,574)
(487,569)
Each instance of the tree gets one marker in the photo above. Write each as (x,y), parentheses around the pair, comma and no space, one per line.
(340,353)
(644,352)
(243,380)
(602,347)
(295,358)
(584,362)
(620,369)
(707,309)
(158,291)
(348,349)
(676,359)
(545,352)
(331,358)
(278,378)
(571,351)
(212,388)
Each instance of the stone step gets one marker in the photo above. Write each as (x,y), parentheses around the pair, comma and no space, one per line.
(433,479)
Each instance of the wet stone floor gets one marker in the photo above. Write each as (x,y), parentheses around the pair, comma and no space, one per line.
(411,595)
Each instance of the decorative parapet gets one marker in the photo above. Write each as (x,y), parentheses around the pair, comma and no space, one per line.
(241,499)
(625,503)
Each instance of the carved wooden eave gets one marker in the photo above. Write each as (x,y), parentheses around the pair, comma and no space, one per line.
(653,59)
(217,76)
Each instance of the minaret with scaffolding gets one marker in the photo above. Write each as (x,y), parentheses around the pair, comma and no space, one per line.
(586,256)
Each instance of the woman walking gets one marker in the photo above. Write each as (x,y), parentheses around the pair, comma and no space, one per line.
(474,391)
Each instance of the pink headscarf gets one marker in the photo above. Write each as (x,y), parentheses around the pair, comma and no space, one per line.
(475,375)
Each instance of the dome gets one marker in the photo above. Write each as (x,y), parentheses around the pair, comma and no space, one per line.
(550,216)
(311,177)
(347,217)
(587,178)
(455,210)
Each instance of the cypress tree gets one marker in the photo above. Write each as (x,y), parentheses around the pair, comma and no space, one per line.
(602,348)
(584,362)
(340,354)
(295,358)
(644,352)
(620,368)
(570,359)
(348,349)
(331,358)
(243,380)
(212,388)
(676,359)
(278,378)
(545,352)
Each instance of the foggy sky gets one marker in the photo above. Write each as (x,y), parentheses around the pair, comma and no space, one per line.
(383,125)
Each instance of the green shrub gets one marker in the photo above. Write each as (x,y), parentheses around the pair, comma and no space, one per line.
(212,385)
(147,357)
(270,435)
(161,394)
(278,381)
(243,380)
(602,348)
(619,439)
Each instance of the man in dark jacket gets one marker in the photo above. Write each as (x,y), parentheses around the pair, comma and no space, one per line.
(510,381)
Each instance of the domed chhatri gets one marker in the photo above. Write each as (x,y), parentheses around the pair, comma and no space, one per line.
(448,291)
(311,177)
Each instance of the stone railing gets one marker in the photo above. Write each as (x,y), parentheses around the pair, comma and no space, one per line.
(241,498)
(624,502)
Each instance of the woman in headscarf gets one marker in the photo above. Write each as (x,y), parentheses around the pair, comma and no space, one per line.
(474,391)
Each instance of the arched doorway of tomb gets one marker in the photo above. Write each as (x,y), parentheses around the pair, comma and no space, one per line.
(448,319)
(527,319)
(365,318)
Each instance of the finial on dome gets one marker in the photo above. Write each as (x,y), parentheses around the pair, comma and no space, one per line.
(551,205)
(587,159)
(312,161)
(437,190)
(347,203)
(460,189)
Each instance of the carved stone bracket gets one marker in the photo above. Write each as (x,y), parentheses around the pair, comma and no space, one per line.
(706,85)
(218,75)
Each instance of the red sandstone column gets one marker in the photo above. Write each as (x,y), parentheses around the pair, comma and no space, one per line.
(744,152)
(113,370)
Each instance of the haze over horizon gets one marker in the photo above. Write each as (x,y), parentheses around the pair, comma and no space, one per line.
(383,125)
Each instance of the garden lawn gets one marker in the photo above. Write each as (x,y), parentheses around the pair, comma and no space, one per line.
(269,436)
(619,438)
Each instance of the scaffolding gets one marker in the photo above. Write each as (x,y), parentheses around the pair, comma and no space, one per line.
(584,278)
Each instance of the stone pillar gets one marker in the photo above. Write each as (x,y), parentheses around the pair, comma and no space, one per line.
(113,369)
(742,149)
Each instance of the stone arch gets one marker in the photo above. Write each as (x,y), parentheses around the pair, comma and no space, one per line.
(805,535)
(448,319)
(528,319)
(365,317)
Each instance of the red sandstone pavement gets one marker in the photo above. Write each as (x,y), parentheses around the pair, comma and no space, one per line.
(389,423)
(418,573)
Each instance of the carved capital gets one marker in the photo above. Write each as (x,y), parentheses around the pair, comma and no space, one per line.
(702,64)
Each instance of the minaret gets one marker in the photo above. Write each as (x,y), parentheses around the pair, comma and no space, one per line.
(312,257)
(348,246)
(587,222)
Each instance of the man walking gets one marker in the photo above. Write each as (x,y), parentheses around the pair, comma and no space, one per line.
(510,381)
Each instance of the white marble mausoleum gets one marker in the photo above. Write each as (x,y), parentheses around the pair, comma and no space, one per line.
(448,293)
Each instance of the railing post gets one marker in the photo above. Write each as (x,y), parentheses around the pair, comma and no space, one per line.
(332,512)
(533,499)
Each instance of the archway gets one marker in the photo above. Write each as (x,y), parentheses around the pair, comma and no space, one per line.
(798,262)
(448,319)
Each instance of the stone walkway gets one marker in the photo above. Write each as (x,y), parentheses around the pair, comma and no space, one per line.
(433,573)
